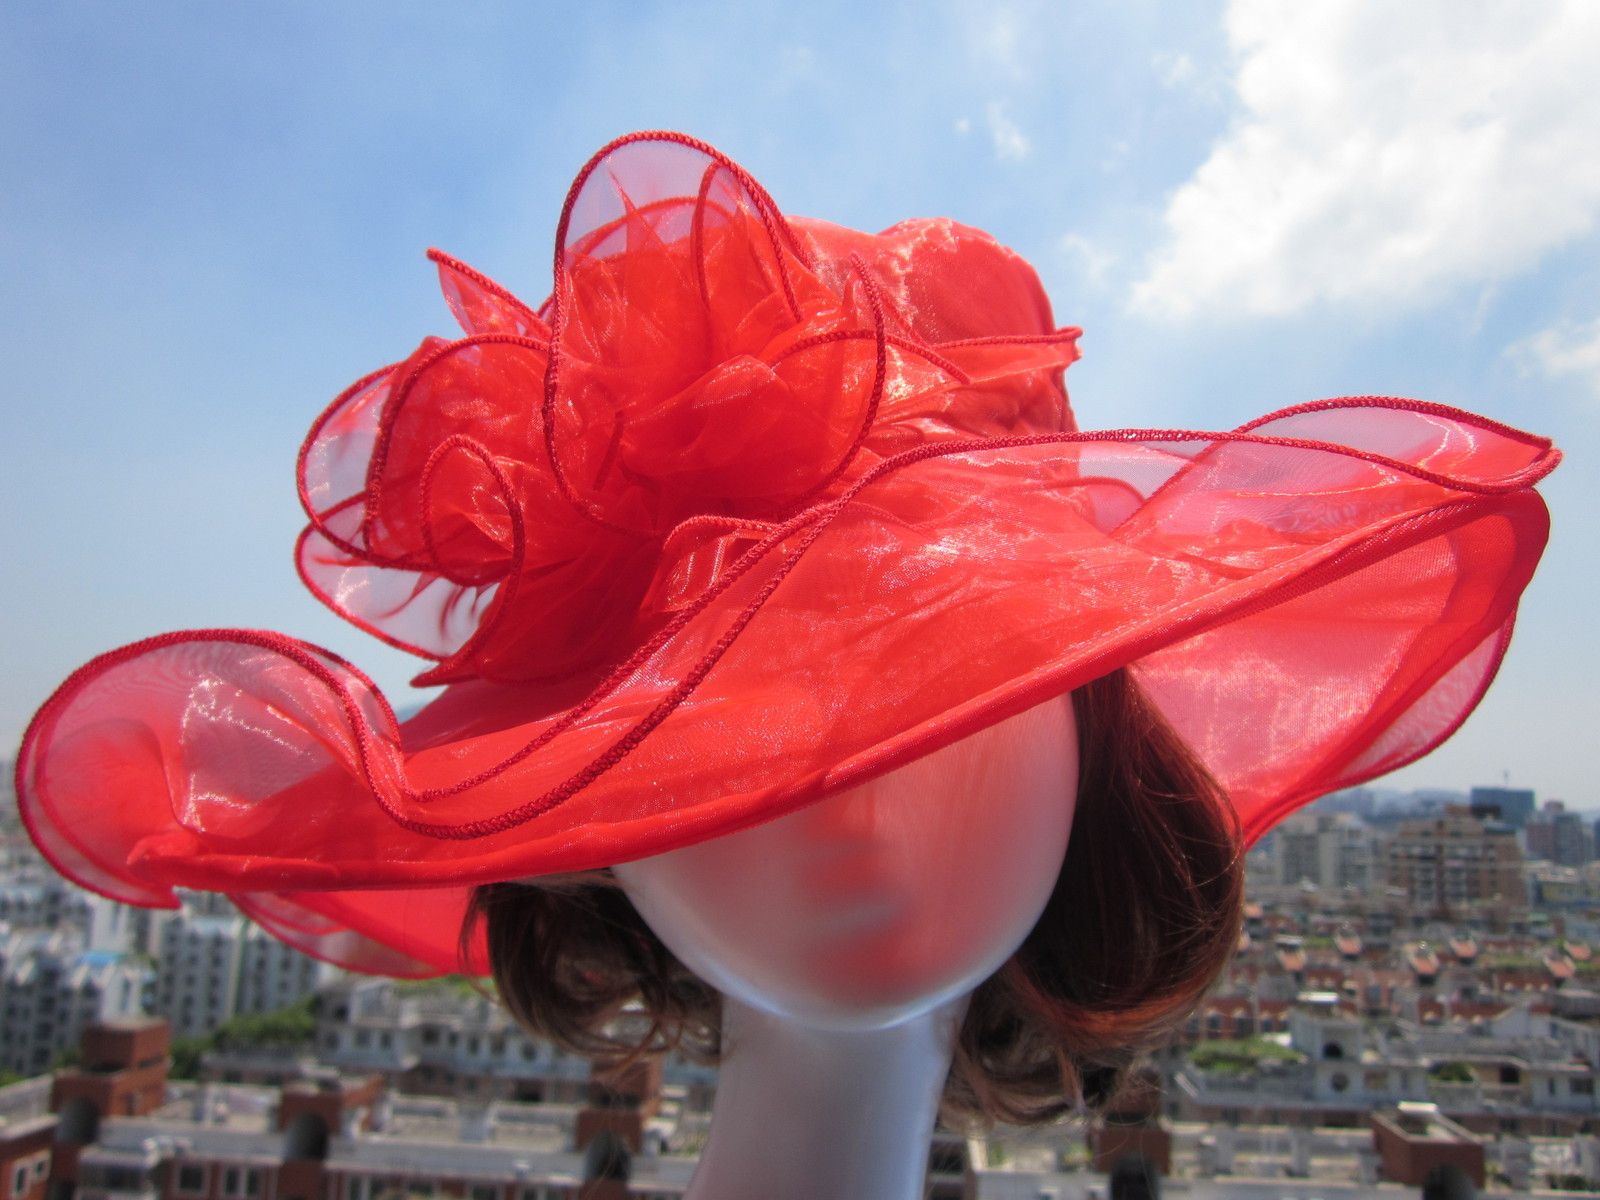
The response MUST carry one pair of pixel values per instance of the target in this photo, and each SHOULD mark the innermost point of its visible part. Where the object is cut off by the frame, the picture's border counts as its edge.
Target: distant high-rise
(1454, 859)
(1332, 850)
(1512, 805)
(215, 965)
(51, 986)
(1358, 802)
(1558, 836)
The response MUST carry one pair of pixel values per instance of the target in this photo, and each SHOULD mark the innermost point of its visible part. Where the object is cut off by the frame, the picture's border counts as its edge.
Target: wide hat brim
(1312, 600)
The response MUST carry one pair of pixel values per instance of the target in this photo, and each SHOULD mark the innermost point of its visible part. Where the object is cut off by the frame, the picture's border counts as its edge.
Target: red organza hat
(750, 510)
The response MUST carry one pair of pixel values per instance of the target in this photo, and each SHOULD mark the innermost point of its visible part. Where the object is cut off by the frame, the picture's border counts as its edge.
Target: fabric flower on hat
(528, 500)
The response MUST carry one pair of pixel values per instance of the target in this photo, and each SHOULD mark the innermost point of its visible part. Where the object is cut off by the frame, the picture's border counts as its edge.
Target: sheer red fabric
(749, 510)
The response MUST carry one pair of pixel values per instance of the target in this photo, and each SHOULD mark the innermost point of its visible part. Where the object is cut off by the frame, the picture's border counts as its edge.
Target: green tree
(1241, 1056)
(287, 1027)
(186, 1054)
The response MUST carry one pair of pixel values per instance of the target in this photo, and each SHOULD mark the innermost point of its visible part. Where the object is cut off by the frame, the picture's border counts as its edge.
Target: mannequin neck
(805, 1112)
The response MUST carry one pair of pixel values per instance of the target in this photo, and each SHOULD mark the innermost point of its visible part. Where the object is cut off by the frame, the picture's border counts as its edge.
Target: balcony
(1477, 1097)
(104, 1193)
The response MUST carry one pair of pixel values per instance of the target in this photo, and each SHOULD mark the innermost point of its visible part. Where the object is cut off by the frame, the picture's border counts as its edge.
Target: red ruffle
(699, 357)
(750, 510)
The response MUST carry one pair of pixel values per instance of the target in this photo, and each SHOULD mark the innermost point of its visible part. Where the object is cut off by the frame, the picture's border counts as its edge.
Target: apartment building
(1334, 851)
(52, 987)
(1455, 860)
(215, 965)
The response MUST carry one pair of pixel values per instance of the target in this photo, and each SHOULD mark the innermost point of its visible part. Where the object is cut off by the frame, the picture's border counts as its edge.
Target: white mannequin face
(876, 905)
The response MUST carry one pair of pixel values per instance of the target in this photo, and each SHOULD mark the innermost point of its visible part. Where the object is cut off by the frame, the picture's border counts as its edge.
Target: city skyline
(220, 215)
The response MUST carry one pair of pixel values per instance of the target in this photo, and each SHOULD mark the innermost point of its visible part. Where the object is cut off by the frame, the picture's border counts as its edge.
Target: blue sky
(213, 218)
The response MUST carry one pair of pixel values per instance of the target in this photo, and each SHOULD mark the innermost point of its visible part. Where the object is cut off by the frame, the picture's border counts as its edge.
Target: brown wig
(1144, 916)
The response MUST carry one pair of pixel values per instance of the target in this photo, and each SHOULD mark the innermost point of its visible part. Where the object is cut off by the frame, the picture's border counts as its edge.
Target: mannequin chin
(881, 903)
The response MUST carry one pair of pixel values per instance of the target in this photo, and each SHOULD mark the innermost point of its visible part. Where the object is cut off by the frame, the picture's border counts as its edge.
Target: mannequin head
(1140, 915)
(878, 903)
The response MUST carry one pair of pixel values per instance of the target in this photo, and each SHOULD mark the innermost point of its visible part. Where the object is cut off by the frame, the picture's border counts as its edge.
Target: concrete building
(52, 988)
(1455, 860)
(273, 975)
(1331, 850)
(1553, 887)
(215, 965)
(1358, 802)
(1420, 1146)
(119, 1131)
(1558, 836)
(1513, 806)
(27, 1133)
(43, 902)
(197, 972)
(434, 1042)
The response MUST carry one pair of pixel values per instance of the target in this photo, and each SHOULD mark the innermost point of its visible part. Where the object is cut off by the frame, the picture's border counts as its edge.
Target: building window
(19, 1181)
(192, 1179)
(1582, 1087)
(241, 1182)
(485, 1191)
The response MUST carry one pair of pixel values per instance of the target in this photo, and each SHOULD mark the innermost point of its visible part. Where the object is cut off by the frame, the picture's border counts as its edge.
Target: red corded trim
(483, 281)
(778, 231)
(308, 658)
(697, 240)
(402, 393)
(478, 450)
(322, 419)
(1455, 415)
(880, 374)
(812, 522)
(1068, 333)
(1354, 557)
(899, 342)
(1391, 403)
(1266, 817)
(809, 526)
(353, 618)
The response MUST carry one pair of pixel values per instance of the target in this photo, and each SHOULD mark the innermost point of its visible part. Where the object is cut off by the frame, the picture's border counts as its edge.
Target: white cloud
(1010, 143)
(796, 63)
(1175, 70)
(1000, 40)
(1092, 261)
(1566, 349)
(1003, 36)
(1384, 153)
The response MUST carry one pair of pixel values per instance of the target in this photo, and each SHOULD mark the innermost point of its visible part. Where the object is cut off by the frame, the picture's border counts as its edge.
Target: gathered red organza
(749, 510)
